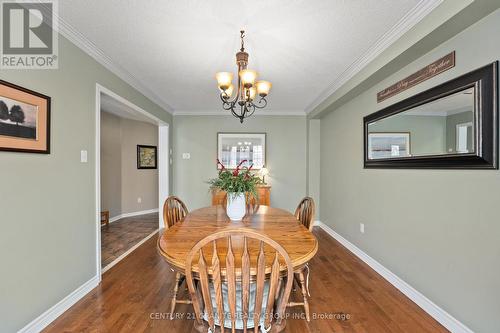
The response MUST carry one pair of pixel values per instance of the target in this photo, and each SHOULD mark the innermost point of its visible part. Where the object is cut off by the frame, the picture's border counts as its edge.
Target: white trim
(142, 212)
(443, 317)
(42, 321)
(87, 46)
(163, 169)
(227, 113)
(164, 162)
(98, 179)
(131, 105)
(129, 251)
(414, 16)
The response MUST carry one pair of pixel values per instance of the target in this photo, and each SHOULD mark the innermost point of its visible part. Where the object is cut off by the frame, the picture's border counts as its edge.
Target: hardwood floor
(120, 236)
(134, 296)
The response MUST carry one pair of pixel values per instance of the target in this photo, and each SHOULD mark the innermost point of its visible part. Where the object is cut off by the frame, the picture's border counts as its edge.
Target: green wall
(313, 162)
(286, 156)
(47, 202)
(436, 229)
(427, 133)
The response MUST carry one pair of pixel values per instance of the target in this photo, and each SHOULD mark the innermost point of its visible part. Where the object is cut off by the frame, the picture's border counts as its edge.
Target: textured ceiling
(175, 47)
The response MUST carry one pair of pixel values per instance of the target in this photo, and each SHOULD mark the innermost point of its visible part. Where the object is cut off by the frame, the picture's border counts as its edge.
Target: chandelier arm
(224, 100)
(250, 110)
(235, 114)
(228, 106)
(259, 105)
(237, 95)
(228, 100)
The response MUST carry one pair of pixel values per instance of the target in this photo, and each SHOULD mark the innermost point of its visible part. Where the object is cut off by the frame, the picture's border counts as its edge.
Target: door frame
(163, 162)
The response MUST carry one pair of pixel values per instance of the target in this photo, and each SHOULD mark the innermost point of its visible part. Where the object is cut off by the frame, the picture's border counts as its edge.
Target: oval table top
(176, 242)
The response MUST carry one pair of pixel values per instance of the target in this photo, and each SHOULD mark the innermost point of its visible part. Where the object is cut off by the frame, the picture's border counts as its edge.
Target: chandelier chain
(242, 35)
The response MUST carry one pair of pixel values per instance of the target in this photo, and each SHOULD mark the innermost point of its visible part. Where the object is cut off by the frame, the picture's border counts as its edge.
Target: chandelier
(244, 103)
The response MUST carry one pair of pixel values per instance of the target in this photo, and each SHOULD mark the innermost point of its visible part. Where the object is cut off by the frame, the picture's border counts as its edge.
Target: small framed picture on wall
(24, 120)
(146, 157)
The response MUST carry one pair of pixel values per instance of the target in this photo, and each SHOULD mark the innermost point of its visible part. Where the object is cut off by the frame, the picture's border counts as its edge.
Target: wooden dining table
(177, 241)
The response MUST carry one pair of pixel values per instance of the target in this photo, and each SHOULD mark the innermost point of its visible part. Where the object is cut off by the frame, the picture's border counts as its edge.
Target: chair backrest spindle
(217, 280)
(245, 283)
(233, 277)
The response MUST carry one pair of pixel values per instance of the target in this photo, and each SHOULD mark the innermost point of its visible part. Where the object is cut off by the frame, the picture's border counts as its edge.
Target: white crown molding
(443, 317)
(228, 113)
(82, 42)
(415, 15)
(42, 321)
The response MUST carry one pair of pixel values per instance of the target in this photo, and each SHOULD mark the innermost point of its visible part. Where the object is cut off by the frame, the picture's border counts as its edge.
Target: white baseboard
(55, 311)
(129, 251)
(443, 317)
(142, 212)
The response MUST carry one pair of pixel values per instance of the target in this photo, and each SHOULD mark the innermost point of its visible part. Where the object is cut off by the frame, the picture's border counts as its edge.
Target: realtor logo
(29, 34)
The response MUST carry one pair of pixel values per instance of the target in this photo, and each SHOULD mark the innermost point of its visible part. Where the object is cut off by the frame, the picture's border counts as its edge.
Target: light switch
(83, 156)
(186, 156)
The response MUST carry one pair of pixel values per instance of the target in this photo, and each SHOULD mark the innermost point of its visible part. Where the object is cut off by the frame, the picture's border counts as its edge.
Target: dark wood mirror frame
(485, 156)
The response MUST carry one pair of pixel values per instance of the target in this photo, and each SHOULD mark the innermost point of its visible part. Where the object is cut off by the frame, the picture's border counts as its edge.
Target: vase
(236, 206)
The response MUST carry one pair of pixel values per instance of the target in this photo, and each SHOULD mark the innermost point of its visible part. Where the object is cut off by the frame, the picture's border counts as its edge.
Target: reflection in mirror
(444, 126)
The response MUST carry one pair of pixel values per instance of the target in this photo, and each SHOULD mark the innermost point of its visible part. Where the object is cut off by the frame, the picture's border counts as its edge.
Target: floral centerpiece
(237, 184)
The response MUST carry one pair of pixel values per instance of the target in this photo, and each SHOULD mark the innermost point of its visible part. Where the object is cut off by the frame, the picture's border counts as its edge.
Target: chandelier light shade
(263, 88)
(224, 80)
(241, 99)
(248, 77)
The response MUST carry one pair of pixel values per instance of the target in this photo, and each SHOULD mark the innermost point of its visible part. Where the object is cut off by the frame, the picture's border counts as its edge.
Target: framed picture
(388, 145)
(232, 148)
(146, 157)
(24, 120)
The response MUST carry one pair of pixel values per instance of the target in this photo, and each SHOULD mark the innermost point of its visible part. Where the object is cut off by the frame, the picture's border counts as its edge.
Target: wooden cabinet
(264, 191)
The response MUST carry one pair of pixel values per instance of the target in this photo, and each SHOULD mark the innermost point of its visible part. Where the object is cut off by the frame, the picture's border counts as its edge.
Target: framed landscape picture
(24, 120)
(232, 148)
(388, 145)
(146, 157)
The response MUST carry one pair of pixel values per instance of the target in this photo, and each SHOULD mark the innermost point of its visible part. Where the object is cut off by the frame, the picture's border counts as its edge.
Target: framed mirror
(451, 126)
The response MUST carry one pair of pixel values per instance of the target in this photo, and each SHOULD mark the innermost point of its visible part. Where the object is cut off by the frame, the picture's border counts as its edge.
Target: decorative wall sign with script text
(437, 67)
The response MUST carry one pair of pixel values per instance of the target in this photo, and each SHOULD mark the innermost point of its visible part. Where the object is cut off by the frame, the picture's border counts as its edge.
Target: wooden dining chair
(174, 210)
(305, 215)
(305, 212)
(218, 269)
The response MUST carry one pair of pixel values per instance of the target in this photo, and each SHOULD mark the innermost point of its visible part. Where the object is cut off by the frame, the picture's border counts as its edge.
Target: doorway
(134, 209)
